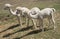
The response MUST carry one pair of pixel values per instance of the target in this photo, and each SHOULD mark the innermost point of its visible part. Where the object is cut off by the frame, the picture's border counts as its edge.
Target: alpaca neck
(34, 16)
(11, 11)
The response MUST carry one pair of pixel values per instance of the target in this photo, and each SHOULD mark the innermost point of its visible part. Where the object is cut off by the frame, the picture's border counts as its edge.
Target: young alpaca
(41, 14)
(47, 13)
(8, 7)
(34, 14)
(24, 13)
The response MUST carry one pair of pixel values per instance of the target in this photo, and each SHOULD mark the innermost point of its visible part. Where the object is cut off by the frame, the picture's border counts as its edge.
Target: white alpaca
(33, 13)
(24, 12)
(47, 13)
(8, 7)
(41, 14)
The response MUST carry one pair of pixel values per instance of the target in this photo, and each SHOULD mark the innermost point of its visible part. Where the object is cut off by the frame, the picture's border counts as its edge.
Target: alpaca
(41, 14)
(47, 13)
(15, 13)
(33, 13)
(24, 13)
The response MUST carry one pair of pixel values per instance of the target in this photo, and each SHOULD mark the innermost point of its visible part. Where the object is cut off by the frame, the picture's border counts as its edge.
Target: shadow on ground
(10, 28)
(33, 32)
(23, 29)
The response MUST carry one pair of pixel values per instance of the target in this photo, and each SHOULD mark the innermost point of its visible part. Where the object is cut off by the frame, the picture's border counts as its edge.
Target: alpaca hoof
(23, 23)
(34, 28)
(42, 30)
(55, 27)
(38, 26)
(18, 24)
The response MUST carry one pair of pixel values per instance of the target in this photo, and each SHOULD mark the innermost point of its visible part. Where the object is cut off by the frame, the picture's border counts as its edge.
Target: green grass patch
(57, 6)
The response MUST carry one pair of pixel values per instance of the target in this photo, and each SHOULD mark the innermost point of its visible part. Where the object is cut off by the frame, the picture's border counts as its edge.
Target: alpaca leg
(19, 20)
(34, 22)
(23, 20)
(27, 22)
(41, 24)
(53, 21)
(38, 22)
(49, 22)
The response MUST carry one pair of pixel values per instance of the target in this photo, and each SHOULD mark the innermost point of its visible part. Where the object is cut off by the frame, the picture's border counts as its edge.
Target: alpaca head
(33, 12)
(7, 6)
(19, 10)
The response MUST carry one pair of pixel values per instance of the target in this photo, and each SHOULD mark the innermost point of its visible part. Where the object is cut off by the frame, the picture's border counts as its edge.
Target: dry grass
(9, 29)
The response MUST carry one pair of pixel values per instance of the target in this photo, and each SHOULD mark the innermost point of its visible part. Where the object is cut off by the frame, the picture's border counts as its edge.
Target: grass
(57, 6)
(12, 20)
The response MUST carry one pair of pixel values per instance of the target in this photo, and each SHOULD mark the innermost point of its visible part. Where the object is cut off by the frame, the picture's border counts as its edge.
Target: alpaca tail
(54, 10)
